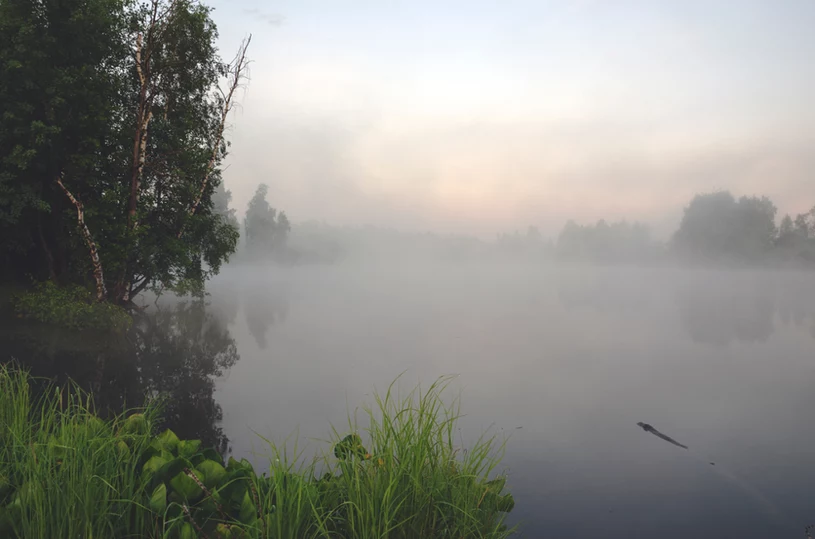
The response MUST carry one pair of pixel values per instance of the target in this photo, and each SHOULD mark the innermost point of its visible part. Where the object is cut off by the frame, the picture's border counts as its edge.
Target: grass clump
(406, 479)
(66, 473)
(63, 471)
(70, 306)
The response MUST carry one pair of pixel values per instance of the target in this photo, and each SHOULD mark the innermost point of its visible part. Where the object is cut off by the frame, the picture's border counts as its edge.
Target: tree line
(715, 228)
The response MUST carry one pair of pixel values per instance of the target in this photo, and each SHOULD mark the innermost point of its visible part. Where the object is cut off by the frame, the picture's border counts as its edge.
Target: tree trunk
(143, 116)
(98, 275)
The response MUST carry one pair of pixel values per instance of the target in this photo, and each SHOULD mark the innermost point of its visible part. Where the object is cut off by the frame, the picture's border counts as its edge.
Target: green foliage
(70, 306)
(63, 468)
(68, 91)
(63, 474)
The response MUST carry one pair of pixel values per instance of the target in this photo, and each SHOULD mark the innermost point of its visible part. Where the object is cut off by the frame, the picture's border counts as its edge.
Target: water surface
(565, 361)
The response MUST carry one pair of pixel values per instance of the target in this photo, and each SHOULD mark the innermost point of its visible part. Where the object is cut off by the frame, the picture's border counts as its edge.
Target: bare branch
(238, 70)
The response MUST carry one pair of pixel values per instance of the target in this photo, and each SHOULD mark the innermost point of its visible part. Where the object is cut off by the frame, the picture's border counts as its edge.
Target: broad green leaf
(158, 500)
(136, 424)
(213, 472)
(188, 448)
(168, 440)
(171, 468)
(213, 455)
(248, 511)
(187, 532)
(153, 465)
(506, 503)
(186, 487)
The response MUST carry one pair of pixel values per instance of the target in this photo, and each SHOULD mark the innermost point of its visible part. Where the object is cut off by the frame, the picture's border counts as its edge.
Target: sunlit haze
(478, 117)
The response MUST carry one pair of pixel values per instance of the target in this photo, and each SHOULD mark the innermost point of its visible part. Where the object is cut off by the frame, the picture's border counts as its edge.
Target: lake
(563, 360)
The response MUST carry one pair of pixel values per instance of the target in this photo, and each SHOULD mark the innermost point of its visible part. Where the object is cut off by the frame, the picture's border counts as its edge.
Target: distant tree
(221, 198)
(785, 229)
(717, 226)
(604, 243)
(796, 238)
(266, 230)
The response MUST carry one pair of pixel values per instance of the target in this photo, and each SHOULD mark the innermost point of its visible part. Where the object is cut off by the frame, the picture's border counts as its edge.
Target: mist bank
(716, 230)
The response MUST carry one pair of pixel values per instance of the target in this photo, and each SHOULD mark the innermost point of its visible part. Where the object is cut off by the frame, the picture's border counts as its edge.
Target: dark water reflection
(722, 361)
(174, 352)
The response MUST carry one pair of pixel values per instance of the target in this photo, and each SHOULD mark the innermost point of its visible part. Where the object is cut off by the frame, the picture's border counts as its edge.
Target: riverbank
(65, 472)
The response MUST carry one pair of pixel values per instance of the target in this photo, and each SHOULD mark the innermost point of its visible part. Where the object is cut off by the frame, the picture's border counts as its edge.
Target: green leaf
(188, 448)
(153, 465)
(158, 500)
(497, 485)
(506, 503)
(233, 489)
(213, 455)
(186, 487)
(213, 472)
(187, 531)
(350, 446)
(136, 424)
(247, 513)
(168, 440)
(123, 449)
(171, 468)
(223, 531)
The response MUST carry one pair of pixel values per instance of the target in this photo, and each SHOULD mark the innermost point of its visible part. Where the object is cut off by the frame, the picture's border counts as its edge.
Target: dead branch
(238, 73)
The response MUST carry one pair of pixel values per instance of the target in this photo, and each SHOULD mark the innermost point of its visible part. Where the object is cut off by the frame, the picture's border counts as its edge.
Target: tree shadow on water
(263, 308)
(173, 354)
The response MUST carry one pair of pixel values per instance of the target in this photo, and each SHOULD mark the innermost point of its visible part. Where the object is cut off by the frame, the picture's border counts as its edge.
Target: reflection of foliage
(742, 308)
(178, 352)
(173, 353)
(718, 319)
(264, 308)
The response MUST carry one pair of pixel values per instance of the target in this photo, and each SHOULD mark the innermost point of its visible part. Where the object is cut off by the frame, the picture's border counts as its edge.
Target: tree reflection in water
(263, 308)
(173, 352)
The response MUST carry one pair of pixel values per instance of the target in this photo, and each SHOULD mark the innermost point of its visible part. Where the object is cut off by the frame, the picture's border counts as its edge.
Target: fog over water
(565, 360)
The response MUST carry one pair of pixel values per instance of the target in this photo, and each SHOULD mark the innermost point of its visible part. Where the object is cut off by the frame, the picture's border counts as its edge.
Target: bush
(70, 306)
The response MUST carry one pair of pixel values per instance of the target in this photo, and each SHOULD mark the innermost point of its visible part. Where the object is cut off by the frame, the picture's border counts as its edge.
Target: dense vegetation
(64, 472)
(111, 138)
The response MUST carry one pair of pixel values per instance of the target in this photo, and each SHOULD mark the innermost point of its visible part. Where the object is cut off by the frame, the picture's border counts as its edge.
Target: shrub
(70, 306)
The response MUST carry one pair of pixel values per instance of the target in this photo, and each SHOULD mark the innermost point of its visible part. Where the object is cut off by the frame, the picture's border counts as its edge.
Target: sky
(478, 117)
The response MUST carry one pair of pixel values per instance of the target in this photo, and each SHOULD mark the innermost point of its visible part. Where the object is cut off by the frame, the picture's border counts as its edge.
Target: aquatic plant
(64, 472)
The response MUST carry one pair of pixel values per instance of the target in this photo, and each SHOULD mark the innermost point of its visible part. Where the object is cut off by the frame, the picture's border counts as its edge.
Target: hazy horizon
(484, 117)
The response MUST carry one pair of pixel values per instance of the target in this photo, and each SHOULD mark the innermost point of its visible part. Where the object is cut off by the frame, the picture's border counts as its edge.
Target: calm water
(565, 361)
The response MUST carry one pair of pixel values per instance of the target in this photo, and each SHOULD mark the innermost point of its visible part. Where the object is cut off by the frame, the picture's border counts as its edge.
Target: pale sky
(480, 116)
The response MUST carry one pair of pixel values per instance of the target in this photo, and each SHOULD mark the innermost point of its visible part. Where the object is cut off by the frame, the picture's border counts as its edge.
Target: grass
(66, 473)
(63, 471)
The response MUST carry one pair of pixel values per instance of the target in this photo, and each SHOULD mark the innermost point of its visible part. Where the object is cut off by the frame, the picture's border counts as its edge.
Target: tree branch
(238, 70)
(98, 275)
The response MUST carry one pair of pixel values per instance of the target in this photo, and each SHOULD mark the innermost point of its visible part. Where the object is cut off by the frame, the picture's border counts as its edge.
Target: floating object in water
(648, 428)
